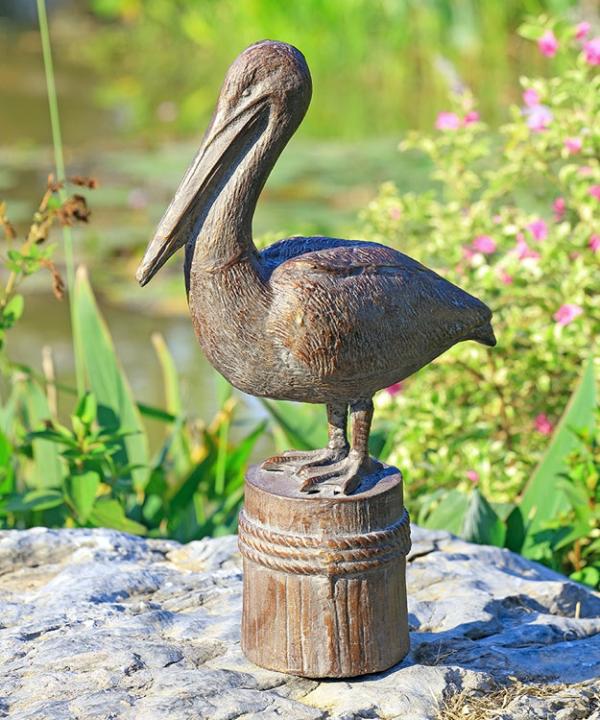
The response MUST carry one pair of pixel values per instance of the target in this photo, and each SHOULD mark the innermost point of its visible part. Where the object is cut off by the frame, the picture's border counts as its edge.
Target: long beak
(197, 191)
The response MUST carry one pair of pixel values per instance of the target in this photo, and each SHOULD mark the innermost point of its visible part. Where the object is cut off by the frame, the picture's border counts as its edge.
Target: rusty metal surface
(310, 319)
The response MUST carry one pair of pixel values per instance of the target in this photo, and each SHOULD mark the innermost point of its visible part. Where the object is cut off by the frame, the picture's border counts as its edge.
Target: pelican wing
(362, 312)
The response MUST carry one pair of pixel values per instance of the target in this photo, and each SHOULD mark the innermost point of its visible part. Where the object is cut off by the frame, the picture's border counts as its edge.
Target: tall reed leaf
(117, 410)
(543, 497)
(305, 430)
(179, 449)
(48, 470)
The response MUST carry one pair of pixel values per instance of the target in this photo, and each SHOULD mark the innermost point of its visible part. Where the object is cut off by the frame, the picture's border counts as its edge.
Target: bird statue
(308, 319)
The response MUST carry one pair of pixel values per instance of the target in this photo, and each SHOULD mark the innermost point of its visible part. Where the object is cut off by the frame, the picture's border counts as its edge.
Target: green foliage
(96, 471)
(191, 489)
(515, 221)
(568, 540)
(578, 547)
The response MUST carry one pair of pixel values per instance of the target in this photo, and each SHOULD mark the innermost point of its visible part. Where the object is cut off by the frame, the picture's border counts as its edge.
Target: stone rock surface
(99, 625)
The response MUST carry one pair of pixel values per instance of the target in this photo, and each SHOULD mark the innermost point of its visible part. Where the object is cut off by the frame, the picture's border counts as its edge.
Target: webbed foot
(343, 476)
(296, 459)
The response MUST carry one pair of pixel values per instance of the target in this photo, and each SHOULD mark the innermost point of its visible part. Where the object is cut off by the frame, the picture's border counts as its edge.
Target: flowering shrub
(515, 221)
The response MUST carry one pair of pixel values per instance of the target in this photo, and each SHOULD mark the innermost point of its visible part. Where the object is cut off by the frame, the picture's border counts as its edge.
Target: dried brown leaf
(74, 209)
(9, 229)
(83, 181)
(58, 286)
(39, 230)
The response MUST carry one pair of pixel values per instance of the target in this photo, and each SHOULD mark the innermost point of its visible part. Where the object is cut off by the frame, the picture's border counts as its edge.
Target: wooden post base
(324, 576)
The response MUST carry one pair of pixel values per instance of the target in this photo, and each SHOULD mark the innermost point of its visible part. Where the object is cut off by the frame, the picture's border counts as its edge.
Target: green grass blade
(180, 448)
(238, 458)
(301, 425)
(48, 470)
(117, 409)
(60, 176)
(169, 374)
(155, 413)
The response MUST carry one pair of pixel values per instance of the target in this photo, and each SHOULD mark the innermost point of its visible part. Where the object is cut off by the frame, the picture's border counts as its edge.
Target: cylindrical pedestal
(324, 576)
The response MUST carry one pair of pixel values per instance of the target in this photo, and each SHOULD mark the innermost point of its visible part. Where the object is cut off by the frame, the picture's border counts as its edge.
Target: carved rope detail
(308, 555)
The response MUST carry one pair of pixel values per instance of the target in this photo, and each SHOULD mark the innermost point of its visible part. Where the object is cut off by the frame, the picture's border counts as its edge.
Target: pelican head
(266, 91)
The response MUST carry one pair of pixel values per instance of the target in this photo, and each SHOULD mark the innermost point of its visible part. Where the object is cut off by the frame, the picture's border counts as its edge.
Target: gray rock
(99, 625)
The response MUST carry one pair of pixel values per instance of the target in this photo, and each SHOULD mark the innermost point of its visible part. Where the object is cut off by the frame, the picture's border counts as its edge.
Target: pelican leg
(337, 447)
(346, 474)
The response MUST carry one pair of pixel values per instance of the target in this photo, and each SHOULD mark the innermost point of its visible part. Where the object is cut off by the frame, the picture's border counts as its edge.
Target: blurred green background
(137, 80)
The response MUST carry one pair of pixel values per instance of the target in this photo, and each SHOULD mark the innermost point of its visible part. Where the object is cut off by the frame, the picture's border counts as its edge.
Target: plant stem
(16, 276)
(60, 176)
(504, 420)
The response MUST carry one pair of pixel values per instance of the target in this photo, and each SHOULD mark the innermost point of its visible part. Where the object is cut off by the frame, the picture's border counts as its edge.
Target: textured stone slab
(96, 624)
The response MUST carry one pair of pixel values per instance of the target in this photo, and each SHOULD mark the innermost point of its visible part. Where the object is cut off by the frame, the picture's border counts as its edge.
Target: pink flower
(531, 98)
(594, 191)
(585, 170)
(471, 117)
(594, 242)
(473, 476)
(484, 244)
(543, 424)
(559, 206)
(581, 30)
(395, 213)
(538, 229)
(567, 313)
(539, 118)
(548, 44)
(573, 145)
(447, 121)
(591, 50)
(395, 389)
(505, 278)
(523, 251)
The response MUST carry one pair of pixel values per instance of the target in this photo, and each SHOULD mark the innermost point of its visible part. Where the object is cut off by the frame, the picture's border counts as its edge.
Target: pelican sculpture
(309, 319)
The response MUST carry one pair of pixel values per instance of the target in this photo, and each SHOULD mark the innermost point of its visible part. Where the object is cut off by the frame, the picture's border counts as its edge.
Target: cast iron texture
(310, 319)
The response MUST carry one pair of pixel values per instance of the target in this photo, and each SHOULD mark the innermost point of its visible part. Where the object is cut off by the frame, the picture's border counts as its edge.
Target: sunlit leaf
(86, 409)
(481, 524)
(449, 513)
(82, 489)
(108, 512)
(543, 497)
(34, 500)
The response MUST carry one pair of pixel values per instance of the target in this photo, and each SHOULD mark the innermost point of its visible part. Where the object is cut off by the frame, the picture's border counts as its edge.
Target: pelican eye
(247, 92)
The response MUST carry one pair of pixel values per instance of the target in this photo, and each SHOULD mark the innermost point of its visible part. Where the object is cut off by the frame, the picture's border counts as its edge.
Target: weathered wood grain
(324, 576)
